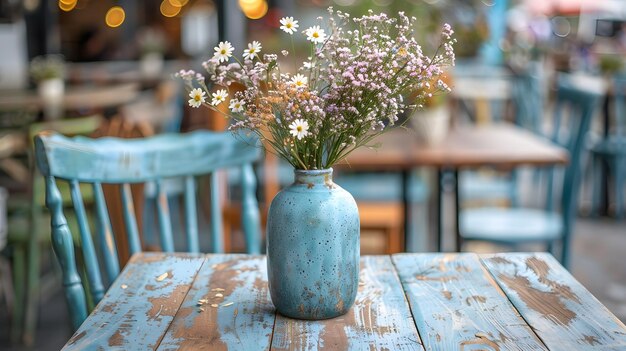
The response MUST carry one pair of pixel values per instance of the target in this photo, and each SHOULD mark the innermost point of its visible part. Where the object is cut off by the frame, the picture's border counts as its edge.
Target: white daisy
(252, 51)
(223, 51)
(219, 97)
(288, 25)
(308, 64)
(315, 34)
(299, 128)
(299, 80)
(197, 97)
(236, 105)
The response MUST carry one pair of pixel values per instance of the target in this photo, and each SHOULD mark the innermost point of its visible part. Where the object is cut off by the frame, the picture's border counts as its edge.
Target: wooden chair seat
(510, 225)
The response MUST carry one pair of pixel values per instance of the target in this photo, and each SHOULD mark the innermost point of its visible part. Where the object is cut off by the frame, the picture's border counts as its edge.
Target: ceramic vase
(51, 92)
(432, 124)
(313, 247)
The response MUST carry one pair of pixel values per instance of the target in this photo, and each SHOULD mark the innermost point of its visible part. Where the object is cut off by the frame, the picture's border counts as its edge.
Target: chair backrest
(126, 161)
(574, 108)
(619, 89)
(84, 126)
(527, 96)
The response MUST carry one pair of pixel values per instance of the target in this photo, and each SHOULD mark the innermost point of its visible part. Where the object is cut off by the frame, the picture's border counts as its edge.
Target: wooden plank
(457, 306)
(140, 305)
(228, 307)
(380, 318)
(561, 311)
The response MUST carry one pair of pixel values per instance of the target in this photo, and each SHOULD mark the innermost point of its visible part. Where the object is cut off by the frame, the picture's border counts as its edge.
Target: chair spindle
(89, 251)
(217, 240)
(250, 216)
(105, 234)
(165, 224)
(128, 208)
(191, 219)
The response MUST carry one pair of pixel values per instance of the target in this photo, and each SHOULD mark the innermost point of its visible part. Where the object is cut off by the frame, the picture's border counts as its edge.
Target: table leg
(406, 205)
(438, 196)
(457, 208)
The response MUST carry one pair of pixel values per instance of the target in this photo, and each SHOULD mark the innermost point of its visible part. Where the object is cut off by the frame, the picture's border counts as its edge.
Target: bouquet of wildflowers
(360, 75)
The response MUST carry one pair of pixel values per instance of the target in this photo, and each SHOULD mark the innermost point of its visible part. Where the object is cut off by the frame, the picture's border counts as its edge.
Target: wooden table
(405, 302)
(501, 145)
(75, 97)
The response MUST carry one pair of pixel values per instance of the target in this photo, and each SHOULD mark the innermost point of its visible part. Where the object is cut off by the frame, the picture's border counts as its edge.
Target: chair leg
(596, 181)
(6, 287)
(565, 247)
(550, 247)
(32, 297)
(619, 173)
(19, 263)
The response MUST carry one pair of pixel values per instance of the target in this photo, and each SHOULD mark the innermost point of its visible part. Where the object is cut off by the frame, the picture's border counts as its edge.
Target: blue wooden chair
(612, 149)
(527, 100)
(520, 225)
(122, 161)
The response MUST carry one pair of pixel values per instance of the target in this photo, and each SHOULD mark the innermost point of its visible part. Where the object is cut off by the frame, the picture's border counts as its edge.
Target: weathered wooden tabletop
(514, 301)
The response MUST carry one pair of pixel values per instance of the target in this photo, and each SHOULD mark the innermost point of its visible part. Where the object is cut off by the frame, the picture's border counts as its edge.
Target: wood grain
(562, 312)
(227, 308)
(140, 305)
(456, 306)
(380, 318)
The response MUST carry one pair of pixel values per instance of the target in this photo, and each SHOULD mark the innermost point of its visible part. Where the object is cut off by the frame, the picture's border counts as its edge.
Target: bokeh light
(67, 5)
(169, 10)
(178, 3)
(115, 16)
(254, 9)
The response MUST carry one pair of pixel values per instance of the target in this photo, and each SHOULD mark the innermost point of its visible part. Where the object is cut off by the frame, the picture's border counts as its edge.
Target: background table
(405, 302)
(74, 98)
(501, 145)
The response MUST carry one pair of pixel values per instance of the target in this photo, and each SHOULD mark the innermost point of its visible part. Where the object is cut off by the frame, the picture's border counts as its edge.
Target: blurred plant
(471, 37)
(152, 41)
(610, 64)
(47, 67)
(350, 89)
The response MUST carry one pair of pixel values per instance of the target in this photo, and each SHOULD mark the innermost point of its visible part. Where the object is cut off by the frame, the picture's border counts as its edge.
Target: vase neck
(316, 176)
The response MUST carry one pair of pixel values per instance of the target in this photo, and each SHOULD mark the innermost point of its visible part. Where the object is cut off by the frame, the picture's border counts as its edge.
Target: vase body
(51, 92)
(313, 247)
(432, 124)
(151, 64)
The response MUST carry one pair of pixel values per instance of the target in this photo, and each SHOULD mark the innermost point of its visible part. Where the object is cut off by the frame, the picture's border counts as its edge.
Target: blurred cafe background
(105, 68)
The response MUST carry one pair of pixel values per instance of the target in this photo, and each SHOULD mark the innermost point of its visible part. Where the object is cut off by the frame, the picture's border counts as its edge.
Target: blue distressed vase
(313, 247)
